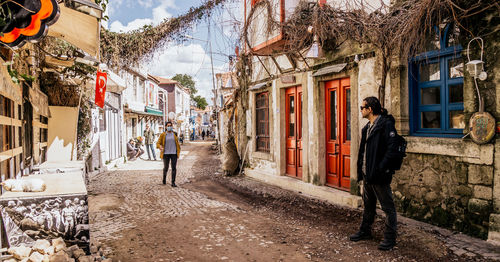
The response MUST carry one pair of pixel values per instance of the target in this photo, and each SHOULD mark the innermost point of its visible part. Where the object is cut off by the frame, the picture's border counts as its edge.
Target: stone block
(483, 192)
(431, 197)
(431, 179)
(494, 222)
(479, 206)
(50, 250)
(463, 191)
(78, 253)
(20, 252)
(85, 259)
(58, 244)
(41, 245)
(60, 256)
(461, 173)
(480, 175)
(36, 257)
(71, 250)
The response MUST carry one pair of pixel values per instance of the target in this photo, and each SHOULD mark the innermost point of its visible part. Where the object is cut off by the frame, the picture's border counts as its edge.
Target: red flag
(100, 88)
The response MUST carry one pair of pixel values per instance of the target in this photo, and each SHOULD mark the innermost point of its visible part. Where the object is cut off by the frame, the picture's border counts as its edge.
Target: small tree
(200, 101)
(186, 81)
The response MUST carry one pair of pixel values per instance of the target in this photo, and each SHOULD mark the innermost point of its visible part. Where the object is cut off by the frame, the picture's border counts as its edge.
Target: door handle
(336, 148)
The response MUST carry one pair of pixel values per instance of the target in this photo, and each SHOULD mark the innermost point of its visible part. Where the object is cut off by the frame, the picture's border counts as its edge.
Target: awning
(257, 87)
(115, 83)
(330, 69)
(79, 29)
(154, 111)
(142, 113)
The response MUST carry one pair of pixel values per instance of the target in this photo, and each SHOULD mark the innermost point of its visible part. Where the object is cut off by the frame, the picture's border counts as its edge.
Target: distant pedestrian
(170, 149)
(376, 148)
(149, 136)
(203, 134)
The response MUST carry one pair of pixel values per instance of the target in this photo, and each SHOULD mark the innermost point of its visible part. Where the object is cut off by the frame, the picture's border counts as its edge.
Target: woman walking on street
(168, 143)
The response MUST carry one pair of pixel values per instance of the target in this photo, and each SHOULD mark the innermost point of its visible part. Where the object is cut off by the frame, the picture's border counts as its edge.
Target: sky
(191, 57)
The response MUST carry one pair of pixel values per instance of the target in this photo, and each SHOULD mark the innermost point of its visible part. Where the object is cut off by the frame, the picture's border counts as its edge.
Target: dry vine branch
(400, 29)
(125, 49)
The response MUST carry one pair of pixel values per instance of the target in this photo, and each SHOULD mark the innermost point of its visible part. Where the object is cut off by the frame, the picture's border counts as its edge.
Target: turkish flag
(100, 88)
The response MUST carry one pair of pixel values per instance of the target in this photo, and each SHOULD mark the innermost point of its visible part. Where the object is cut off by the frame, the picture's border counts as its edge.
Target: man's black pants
(384, 195)
(166, 160)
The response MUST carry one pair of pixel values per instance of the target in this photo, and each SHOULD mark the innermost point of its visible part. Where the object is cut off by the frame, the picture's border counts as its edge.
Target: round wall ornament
(482, 127)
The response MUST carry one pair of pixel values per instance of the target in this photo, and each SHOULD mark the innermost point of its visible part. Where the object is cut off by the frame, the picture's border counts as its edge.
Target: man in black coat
(377, 149)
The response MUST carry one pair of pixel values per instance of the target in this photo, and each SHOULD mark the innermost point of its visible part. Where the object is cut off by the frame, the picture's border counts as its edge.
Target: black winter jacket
(380, 149)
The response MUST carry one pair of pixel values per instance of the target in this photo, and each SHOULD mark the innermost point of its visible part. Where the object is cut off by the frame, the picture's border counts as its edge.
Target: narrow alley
(210, 217)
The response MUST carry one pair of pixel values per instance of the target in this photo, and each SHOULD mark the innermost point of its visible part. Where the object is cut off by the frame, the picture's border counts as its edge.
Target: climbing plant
(125, 49)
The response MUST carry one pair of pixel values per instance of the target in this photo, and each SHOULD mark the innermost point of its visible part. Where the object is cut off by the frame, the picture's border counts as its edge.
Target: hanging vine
(399, 29)
(125, 49)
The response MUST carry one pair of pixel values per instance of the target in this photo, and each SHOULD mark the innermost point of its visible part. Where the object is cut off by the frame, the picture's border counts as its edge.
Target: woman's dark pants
(166, 160)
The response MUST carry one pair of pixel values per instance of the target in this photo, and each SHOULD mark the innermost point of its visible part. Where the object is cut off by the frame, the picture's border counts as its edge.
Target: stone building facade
(300, 119)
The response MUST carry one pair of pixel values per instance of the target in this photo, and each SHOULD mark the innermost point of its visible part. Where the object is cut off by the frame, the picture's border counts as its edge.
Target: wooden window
(6, 107)
(262, 113)
(20, 137)
(43, 135)
(44, 120)
(102, 120)
(6, 137)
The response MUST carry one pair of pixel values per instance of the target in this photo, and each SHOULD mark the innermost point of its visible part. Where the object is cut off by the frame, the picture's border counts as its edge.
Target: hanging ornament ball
(483, 75)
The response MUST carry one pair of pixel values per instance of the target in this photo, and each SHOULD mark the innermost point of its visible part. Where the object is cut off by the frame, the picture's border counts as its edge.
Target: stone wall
(446, 192)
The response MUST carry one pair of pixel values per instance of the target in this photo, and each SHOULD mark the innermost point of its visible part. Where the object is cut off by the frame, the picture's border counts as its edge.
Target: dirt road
(210, 217)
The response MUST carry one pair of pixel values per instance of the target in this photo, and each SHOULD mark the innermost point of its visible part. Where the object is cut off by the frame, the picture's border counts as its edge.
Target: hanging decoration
(100, 88)
(26, 20)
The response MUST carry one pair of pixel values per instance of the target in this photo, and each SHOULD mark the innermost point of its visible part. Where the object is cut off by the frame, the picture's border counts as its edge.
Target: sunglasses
(361, 107)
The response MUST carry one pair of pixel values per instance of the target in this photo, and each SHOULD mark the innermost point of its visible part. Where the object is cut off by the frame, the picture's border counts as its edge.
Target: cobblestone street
(210, 217)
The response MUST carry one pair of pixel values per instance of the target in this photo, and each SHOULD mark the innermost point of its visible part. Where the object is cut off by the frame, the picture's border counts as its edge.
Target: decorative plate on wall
(482, 127)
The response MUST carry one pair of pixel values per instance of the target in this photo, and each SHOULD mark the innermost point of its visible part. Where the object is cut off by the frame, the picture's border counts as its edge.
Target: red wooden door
(293, 128)
(338, 133)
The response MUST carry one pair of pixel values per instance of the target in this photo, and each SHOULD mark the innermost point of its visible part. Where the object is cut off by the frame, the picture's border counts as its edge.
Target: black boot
(387, 244)
(360, 235)
(173, 177)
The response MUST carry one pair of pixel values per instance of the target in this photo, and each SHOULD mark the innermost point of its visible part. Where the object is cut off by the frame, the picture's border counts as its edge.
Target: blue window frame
(436, 87)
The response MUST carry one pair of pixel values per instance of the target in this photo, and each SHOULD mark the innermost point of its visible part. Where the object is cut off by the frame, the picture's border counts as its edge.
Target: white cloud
(159, 14)
(145, 3)
(117, 26)
(113, 6)
(185, 59)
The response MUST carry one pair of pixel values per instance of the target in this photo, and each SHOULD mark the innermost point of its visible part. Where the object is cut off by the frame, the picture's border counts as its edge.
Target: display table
(60, 211)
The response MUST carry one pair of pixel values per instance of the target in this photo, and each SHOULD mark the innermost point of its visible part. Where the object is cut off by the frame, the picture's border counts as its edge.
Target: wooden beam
(52, 61)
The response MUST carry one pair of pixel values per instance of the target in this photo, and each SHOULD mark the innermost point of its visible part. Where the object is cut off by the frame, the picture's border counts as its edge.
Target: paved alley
(210, 217)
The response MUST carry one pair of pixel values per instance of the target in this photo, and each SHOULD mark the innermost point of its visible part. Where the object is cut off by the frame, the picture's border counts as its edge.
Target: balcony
(262, 38)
